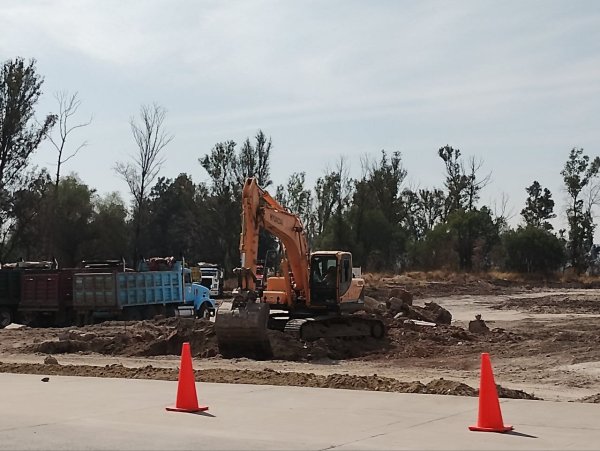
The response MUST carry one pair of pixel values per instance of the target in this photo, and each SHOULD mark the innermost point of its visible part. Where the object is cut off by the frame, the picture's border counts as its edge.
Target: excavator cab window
(324, 280)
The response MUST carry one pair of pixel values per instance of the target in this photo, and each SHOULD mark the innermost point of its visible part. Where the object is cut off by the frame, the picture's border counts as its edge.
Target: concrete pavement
(95, 413)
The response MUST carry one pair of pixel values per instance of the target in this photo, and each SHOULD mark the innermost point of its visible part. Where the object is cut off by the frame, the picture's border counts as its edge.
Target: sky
(515, 84)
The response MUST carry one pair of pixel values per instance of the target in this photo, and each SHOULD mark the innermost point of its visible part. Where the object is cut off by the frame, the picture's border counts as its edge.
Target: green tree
(378, 212)
(533, 249)
(424, 209)
(333, 198)
(577, 174)
(177, 220)
(228, 170)
(539, 207)
(299, 200)
(20, 135)
(474, 233)
(75, 205)
(463, 185)
(32, 212)
(254, 161)
(109, 230)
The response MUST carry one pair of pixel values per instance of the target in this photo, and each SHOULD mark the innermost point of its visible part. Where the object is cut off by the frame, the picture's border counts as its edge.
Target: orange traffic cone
(187, 400)
(490, 416)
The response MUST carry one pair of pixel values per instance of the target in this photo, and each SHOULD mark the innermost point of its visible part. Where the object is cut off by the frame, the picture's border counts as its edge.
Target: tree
(539, 207)
(20, 89)
(424, 209)
(73, 226)
(151, 139)
(333, 198)
(299, 200)
(228, 171)
(109, 231)
(68, 104)
(177, 219)
(32, 213)
(378, 211)
(254, 161)
(533, 249)
(577, 174)
(475, 233)
(463, 187)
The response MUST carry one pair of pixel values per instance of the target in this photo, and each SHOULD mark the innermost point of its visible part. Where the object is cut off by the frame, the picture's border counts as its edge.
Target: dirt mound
(513, 394)
(595, 399)
(553, 304)
(165, 337)
(262, 377)
(446, 387)
(286, 347)
(144, 338)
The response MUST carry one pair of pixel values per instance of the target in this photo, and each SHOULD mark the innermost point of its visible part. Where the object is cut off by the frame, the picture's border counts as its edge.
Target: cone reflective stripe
(187, 399)
(489, 418)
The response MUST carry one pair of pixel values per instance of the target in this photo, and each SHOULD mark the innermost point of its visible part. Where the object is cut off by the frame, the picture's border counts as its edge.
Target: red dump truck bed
(47, 290)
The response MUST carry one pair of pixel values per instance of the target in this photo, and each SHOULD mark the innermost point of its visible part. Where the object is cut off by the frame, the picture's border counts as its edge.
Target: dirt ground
(542, 340)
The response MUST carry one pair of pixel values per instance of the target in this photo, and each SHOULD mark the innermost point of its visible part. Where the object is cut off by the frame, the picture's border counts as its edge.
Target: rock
(440, 314)
(45, 379)
(50, 360)
(405, 295)
(416, 322)
(478, 326)
(396, 305)
(372, 305)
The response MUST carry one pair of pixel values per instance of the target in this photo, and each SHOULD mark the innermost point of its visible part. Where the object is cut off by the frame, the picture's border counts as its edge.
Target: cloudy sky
(514, 83)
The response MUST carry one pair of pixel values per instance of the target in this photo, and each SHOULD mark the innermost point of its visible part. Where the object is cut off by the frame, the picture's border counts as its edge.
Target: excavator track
(241, 330)
(310, 329)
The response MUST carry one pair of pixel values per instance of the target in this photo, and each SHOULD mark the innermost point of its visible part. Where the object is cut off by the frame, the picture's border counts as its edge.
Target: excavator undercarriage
(242, 329)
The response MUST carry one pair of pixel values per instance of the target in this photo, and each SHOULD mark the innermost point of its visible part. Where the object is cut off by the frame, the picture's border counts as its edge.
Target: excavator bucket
(242, 331)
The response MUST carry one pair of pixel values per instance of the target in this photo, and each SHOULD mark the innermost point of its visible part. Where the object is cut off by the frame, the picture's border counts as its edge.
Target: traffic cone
(187, 400)
(490, 416)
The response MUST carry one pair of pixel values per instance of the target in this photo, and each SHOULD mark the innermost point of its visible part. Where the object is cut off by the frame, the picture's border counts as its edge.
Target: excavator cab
(324, 280)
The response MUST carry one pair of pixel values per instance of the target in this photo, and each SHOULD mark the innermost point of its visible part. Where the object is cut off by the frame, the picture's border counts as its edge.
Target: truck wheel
(204, 312)
(5, 318)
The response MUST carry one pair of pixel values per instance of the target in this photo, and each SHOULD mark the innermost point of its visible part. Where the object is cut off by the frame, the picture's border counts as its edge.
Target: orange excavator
(313, 297)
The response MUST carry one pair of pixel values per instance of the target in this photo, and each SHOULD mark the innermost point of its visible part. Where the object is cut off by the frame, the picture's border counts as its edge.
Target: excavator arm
(261, 211)
(241, 324)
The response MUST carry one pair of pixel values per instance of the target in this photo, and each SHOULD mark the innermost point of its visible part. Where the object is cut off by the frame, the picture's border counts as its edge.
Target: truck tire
(5, 317)
(204, 312)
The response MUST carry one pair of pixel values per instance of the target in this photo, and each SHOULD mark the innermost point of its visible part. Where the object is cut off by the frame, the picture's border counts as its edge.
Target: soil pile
(165, 337)
(262, 377)
(130, 338)
(553, 304)
(595, 399)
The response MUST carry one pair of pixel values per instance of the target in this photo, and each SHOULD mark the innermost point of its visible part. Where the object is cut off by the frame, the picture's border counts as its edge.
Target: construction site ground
(543, 340)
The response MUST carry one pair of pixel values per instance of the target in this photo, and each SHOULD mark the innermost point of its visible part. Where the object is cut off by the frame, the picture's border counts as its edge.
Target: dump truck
(159, 287)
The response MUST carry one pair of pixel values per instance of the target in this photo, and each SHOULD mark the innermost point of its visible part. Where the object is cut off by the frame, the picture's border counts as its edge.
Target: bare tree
(150, 138)
(68, 104)
(475, 185)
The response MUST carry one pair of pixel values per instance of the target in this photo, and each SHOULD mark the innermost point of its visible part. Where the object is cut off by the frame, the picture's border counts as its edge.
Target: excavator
(314, 296)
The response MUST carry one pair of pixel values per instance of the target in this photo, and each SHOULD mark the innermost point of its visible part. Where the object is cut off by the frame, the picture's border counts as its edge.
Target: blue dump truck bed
(131, 293)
